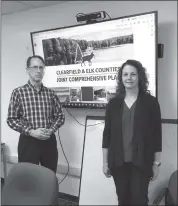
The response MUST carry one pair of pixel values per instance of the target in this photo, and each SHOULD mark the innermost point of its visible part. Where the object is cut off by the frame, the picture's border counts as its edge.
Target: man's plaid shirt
(32, 109)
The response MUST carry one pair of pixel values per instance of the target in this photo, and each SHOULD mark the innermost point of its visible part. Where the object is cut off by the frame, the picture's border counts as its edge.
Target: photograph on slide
(63, 93)
(91, 47)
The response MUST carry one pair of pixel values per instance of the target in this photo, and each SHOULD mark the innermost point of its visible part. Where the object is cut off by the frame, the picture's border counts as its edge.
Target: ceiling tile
(41, 3)
(8, 7)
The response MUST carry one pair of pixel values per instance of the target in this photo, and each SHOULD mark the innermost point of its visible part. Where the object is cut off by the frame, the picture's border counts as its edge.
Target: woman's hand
(106, 170)
(155, 169)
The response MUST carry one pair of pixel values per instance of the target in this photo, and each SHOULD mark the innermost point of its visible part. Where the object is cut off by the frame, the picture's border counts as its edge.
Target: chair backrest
(171, 195)
(30, 184)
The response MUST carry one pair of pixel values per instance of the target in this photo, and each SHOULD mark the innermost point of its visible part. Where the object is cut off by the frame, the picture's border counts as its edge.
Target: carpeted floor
(65, 202)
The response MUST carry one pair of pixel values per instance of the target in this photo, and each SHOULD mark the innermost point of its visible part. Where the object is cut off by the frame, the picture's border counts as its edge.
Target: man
(36, 113)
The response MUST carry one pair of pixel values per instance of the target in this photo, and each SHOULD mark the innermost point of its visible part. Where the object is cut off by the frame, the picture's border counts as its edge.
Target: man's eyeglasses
(41, 68)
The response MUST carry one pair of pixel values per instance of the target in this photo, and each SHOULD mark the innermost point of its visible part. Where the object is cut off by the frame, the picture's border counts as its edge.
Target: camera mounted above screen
(91, 17)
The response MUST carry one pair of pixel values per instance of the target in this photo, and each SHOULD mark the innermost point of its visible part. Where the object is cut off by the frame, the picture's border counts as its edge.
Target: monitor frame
(103, 105)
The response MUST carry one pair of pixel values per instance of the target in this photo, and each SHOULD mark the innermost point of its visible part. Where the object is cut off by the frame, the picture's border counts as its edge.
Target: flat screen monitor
(82, 60)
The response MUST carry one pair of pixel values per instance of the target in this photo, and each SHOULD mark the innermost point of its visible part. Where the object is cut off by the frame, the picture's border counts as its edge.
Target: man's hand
(106, 170)
(155, 169)
(40, 133)
(48, 131)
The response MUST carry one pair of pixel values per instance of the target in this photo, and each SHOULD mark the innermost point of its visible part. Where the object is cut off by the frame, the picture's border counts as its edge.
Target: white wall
(16, 47)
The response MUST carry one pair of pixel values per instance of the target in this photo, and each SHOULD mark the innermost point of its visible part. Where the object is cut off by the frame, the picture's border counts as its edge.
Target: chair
(4, 159)
(171, 193)
(30, 184)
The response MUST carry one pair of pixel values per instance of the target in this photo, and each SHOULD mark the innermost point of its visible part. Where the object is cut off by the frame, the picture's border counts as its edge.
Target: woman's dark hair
(33, 57)
(142, 77)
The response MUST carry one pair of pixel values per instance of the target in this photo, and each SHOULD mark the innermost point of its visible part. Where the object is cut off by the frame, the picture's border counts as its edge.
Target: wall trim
(75, 170)
(169, 121)
(61, 168)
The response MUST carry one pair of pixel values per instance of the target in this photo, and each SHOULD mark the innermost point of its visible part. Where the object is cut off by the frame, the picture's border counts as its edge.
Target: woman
(132, 137)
